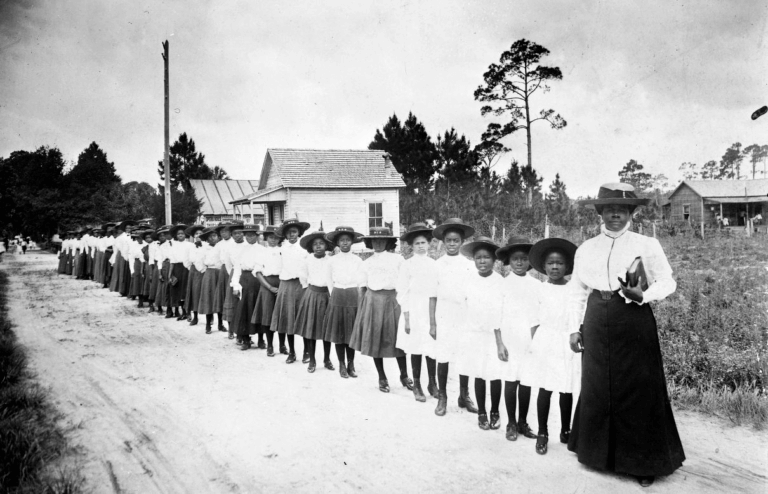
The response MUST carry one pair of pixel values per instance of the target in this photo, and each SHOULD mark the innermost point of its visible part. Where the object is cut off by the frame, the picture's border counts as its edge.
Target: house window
(686, 212)
(375, 216)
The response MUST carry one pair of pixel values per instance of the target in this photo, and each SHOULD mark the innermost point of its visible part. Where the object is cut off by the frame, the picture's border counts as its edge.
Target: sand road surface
(159, 406)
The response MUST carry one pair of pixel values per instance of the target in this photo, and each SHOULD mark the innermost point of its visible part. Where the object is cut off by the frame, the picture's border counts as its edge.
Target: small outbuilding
(734, 202)
(216, 196)
(357, 188)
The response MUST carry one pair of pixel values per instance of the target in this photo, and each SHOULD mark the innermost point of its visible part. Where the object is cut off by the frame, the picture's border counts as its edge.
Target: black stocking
(218, 315)
(524, 393)
(416, 367)
(309, 347)
(291, 346)
(379, 363)
(340, 353)
(542, 409)
(280, 339)
(442, 377)
(566, 404)
(402, 363)
(350, 355)
(463, 381)
(431, 366)
(326, 351)
(510, 400)
(260, 332)
(480, 394)
(208, 319)
(495, 395)
(270, 336)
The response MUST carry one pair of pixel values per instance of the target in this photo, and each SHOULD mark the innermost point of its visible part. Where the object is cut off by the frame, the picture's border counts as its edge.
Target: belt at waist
(344, 286)
(383, 291)
(319, 289)
(605, 294)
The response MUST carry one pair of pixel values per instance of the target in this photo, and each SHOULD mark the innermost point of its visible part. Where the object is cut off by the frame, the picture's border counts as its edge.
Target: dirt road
(162, 407)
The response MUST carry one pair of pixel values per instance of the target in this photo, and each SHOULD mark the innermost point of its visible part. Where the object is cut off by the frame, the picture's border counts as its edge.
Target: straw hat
(307, 240)
(251, 228)
(303, 226)
(356, 237)
(191, 230)
(543, 247)
(514, 242)
(229, 225)
(615, 193)
(415, 230)
(380, 232)
(175, 229)
(469, 248)
(207, 231)
(457, 223)
(271, 230)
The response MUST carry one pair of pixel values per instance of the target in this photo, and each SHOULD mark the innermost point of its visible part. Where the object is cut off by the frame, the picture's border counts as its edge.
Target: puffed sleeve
(302, 269)
(659, 272)
(578, 293)
(403, 286)
(362, 275)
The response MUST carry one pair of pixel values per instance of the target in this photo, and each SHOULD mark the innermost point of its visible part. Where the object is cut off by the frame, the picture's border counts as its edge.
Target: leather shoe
(541, 444)
(312, 367)
(151, 308)
(283, 350)
(351, 370)
(270, 351)
(406, 382)
(482, 421)
(645, 481)
(329, 365)
(291, 358)
(465, 401)
(565, 436)
(495, 421)
(525, 430)
(222, 328)
(442, 404)
(305, 359)
(432, 388)
(246, 345)
(262, 346)
(343, 371)
(169, 315)
(511, 432)
(207, 329)
(418, 393)
(193, 322)
(383, 386)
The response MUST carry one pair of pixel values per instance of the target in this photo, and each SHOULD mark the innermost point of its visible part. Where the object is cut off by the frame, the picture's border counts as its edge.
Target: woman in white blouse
(268, 274)
(245, 285)
(375, 330)
(342, 307)
(209, 264)
(623, 420)
(416, 285)
(195, 280)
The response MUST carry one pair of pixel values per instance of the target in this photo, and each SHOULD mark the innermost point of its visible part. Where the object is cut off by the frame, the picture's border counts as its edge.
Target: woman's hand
(407, 318)
(632, 292)
(236, 293)
(533, 330)
(433, 330)
(273, 290)
(576, 344)
(502, 351)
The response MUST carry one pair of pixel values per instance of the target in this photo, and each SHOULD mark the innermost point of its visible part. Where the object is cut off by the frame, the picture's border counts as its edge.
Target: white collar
(614, 235)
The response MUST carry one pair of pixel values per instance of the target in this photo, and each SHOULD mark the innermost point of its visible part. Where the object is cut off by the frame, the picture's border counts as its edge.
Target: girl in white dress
(416, 285)
(484, 352)
(549, 362)
(520, 307)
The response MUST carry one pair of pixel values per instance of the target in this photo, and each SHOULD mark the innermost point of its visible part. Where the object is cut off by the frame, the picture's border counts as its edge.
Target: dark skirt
(221, 289)
(194, 283)
(68, 263)
(88, 265)
(137, 280)
(162, 295)
(208, 286)
(106, 267)
(97, 265)
(230, 302)
(341, 314)
(375, 331)
(125, 278)
(149, 275)
(155, 282)
(178, 290)
(241, 322)
(286, 306)
(82, 264)
(62, 263)
(312, 308)
(117, 269)
(265, 303)
(623, 420)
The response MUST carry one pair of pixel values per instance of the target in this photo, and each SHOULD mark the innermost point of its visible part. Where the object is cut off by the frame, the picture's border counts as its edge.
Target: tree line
(730, 164)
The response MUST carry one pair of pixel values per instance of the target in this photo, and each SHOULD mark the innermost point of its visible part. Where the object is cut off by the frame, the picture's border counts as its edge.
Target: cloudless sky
(661, 82)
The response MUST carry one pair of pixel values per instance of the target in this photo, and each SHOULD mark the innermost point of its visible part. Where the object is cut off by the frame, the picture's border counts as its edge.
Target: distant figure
(725, 222)
(24, 244)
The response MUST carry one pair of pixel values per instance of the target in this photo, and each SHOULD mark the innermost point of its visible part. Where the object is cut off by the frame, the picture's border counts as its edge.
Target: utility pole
(166, 149)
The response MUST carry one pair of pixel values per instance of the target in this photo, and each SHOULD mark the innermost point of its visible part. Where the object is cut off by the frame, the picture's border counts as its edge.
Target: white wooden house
(336, 187)
(216, 196)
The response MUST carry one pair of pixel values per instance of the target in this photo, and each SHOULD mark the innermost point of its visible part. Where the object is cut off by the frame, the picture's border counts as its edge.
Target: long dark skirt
(82, 264)
(149, 277)
(206, 303)
(241, 322)
(286, 306)
(178, 290)
(340, 318)
(161, 296)
(136, 279)
(155, 282)
(88, 265)
(117, 270)
(97, 265)
(230, 302)
(265, 303)
(375, 330)
(78, 268)
(125, 278)
(623, 420)
(62, 263)
(221, 289)
(106, 267)
(195, 282)
(312, 309)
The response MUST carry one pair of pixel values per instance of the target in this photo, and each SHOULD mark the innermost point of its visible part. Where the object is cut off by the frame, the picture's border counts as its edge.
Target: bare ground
(158, 406)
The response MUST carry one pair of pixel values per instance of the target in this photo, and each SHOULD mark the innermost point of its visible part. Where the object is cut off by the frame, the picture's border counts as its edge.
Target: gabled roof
(217, 194)
(319, 168)
(727, 188)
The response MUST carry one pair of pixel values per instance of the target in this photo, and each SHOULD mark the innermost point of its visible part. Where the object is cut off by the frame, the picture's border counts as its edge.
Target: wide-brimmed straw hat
(307, 240)
(207, 231)
(348, 230)
(149, 231)
(303, 226)
(175, 229)
(192, 229)
(514, 242)
(469, 248)
(615, 193)
(107, 226)
(229, 225)
(251, 228)
(271, 230)
(541, 248)
(125, 223)
(415, 230)
(456, 223)
(380, 232)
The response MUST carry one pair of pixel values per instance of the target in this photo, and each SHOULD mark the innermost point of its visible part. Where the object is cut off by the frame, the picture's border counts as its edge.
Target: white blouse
(246, 258)
(222, 249)
(272, 262)
(294, 262)
(180, 251)
(209, 258)
(485, 302)
(380, 271)
(319, 271)
(417, 280)
(602, 260)
(452, 272)
(521, 302)
(345, 269)
(234, 251)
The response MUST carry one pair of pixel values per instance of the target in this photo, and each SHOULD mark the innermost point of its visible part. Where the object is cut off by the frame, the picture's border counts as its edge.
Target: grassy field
(31, 442)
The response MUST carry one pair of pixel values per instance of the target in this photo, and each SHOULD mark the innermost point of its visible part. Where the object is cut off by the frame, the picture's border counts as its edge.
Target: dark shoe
(168, 315)
(645, 481)
(305, 358)
(151, 308)
(383, 386)
(329, 365)
(351, 370)
(207, 329)
(565, 436)
(418, 393)
(262, 346)
(291, 358)
(312, 367)
(231, 336)
(270, 351)
(283, 350)
(482, 421)
(541, 444)
(432, 388)
(222, 328)
(442, 404)
(141, 304)
(343, 371)
(511, 432)
(525, 430)
(239, 341)
(465, 401)
(495, 421)
(246, 345)
(193, 322)
(181, 317)
(406, 382)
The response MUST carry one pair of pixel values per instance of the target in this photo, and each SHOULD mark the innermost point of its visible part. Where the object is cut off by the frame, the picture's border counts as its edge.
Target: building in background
(360, 189)
(217, 195)
(735, 202)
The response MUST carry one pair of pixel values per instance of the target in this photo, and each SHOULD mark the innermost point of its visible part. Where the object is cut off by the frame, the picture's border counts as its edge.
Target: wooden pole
(702, 218)
(721, 213)
(654, 229)
(166, 150)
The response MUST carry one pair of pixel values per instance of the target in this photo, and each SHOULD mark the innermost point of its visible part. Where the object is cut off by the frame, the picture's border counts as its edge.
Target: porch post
(721, 213)
(702, 218)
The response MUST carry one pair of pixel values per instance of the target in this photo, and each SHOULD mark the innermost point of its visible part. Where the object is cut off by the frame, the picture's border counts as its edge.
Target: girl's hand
(273, 290)
(236, 293)
(407, 327)
(576, 344)
(433, 330)
(503, 353)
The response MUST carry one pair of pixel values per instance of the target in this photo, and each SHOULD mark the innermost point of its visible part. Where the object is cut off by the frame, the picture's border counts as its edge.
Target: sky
(661, 82)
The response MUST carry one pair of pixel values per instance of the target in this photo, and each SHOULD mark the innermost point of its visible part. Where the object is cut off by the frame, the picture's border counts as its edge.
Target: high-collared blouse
(233, 251)
(602, 260)
(521, 302)
(65, 246)
(485, 302)
(195, 255)
(164, 251)
(109, 241)
(319, 271)
(222, 248)
(294, 262)
(154, 252)
(180, 251)
(208, 259)
(417, 279)
(345, 270)
(134, 251)
(272, 264)
(245, 258)
(452, 272)
(380, 271)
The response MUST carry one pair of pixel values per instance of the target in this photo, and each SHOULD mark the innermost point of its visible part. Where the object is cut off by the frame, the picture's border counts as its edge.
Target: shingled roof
(319, 168)
(217, 194)
(720, 189)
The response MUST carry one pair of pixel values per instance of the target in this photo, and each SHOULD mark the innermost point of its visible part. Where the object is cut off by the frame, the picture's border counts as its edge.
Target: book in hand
(635, 273)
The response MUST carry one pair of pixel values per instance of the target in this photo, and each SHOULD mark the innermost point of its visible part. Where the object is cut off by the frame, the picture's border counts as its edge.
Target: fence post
(654, 230)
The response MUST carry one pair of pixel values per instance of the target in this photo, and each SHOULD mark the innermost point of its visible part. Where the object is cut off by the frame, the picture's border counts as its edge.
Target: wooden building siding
(686, 196)
(335, 207)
